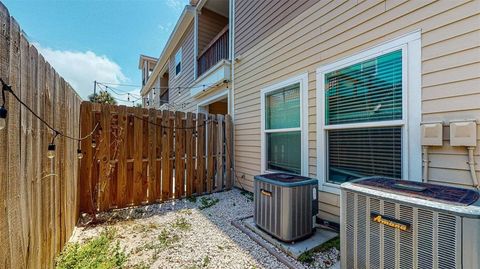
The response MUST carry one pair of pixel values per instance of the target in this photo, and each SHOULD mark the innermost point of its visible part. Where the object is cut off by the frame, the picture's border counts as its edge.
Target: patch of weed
(185, 211)
(141, 265)
(192, 199)
(247, 195)
(182, 224)
(332, 243)
(166, 238)
(306, 257)
(207, 202)
(206, 261)
(98, 252)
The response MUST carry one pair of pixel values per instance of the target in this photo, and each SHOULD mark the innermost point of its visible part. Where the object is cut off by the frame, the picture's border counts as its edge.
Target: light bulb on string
(51, 151)
(3, 117)
(94, 143)
(3, 110)
(52, 147)
(79, 154)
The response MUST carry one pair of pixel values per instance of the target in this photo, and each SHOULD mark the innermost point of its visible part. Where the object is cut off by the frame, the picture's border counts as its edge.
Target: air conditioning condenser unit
(390, 223)
(285, 205)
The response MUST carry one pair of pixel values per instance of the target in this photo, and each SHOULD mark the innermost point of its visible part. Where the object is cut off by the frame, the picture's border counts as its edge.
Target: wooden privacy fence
(38, 196)
(146, 156)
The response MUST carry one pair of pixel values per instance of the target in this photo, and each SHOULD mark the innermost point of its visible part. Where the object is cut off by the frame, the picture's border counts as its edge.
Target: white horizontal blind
(355, 153)
(366, 91)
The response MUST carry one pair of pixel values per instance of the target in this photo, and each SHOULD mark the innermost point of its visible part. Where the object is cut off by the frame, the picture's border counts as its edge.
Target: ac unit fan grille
(432, 241)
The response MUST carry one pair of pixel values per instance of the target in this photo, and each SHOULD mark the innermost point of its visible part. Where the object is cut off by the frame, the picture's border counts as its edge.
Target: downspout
(471, 164)
(195, 43)
(426, 162)
(232, 85)
(232, 58)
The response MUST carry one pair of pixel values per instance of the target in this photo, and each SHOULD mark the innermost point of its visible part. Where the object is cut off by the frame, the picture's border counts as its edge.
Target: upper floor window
(178, 62)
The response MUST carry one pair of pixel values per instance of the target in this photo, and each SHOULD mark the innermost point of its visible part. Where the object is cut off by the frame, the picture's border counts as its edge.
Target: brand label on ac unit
(390, 222)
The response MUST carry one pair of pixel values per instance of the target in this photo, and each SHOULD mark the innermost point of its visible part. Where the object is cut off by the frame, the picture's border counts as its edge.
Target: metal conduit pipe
(426, 162)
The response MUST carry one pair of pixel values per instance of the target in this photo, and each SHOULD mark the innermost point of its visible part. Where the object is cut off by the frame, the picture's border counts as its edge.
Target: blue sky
(87, 40)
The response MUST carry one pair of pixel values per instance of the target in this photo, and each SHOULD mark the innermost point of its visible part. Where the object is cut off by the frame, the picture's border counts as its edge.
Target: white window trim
(303, 80)
(411, 99)
(180, 50)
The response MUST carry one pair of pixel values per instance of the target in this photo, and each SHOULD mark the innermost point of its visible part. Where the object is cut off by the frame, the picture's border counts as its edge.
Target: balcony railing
(215, 51)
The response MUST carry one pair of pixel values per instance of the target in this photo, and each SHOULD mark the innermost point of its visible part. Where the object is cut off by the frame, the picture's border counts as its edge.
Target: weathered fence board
(38, 195)
(147, 156)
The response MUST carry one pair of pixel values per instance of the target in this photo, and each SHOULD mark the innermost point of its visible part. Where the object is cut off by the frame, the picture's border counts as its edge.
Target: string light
(79, 154)
(51, 147)
(51, 151)
(94, 144)
(3, 117)
(3, 110)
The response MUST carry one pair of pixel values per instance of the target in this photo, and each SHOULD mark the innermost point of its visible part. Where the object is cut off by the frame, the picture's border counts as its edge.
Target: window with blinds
(282, 129)
(366, 92)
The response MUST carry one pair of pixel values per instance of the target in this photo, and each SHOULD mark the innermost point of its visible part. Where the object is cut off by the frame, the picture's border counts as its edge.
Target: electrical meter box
(432, 134)
(463, 133)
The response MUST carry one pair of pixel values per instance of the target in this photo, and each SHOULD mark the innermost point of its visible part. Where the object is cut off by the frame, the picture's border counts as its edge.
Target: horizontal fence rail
(216, 51)
(38, 195)
(143, 156)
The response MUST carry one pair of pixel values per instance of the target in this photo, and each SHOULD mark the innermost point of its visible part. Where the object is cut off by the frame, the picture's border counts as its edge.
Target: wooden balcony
(214, 52)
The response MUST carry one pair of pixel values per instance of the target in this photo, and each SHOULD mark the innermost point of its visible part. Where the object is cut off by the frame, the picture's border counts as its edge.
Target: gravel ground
(181, 235)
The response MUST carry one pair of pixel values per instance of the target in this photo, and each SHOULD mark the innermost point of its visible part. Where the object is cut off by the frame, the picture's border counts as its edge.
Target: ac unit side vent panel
(432, 240)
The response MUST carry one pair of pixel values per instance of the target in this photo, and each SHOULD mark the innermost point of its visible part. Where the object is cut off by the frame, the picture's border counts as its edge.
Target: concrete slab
(294, 249)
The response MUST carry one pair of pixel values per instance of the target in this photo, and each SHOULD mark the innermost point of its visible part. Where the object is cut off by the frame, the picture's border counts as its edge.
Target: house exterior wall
(180, 97)
(255, 20)
(283, 46)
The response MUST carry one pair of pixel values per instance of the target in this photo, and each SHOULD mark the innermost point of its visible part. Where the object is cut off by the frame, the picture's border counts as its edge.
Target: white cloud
(165, 27)
(80, 69)
(176, 4)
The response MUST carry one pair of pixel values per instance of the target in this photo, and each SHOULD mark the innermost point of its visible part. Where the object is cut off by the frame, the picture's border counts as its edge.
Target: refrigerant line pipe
(471, 163)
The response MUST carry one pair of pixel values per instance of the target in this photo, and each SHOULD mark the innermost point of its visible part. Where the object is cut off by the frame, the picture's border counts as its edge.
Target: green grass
(307, 257)
(101, 252)
(207, 202)
(332, 243)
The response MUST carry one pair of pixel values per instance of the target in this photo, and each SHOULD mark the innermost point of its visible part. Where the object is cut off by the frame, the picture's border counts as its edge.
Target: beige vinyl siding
(180, 97)
(209, 25)
(255, 20)
(331, 30)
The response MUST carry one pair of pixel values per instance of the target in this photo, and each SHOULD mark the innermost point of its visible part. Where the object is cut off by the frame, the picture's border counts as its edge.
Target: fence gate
(138, 156)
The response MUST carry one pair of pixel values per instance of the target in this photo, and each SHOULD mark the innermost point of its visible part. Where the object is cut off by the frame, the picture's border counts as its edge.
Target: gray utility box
(285, 205)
